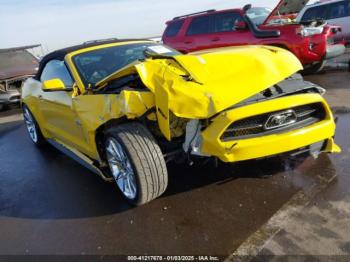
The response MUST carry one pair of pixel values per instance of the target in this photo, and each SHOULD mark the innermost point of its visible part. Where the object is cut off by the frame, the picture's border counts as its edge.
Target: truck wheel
(136, 162)
(33, 127)
(315, 68)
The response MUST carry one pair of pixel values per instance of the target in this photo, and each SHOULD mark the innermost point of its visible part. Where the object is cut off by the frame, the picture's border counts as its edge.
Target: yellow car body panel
(268, 145)
(201, 85)
(222, 79)
(96, 110)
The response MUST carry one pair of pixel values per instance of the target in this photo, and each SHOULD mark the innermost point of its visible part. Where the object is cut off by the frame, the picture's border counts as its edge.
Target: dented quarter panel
(95, 110)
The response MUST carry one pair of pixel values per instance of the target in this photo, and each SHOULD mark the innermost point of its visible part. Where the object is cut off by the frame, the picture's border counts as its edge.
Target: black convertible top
(61, 53)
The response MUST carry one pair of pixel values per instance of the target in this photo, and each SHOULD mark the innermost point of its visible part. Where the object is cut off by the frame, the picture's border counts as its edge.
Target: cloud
(57, 24)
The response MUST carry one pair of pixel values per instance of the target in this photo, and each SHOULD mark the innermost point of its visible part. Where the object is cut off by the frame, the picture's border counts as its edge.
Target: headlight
(308, 31)
(302, 31)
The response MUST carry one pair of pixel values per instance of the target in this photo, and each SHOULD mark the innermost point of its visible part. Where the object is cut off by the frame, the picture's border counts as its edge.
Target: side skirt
(80, 158)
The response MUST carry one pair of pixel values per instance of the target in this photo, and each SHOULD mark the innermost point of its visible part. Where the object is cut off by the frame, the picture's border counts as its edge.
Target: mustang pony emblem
(281, 119)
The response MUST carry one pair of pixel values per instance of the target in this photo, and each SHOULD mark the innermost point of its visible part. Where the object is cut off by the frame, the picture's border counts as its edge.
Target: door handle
(40, 97)
(215, 39)
(188, 42)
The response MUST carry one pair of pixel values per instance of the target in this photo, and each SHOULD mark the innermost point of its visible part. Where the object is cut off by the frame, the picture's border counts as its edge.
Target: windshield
(258, 14)
(96, 65)
(15, 59)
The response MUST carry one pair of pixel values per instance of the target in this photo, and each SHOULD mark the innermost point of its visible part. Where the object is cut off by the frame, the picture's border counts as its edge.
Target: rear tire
(134, 156)
(32, 127)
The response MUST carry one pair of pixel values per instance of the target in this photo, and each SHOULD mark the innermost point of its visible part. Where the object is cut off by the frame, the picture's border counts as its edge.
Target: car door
(198, 34)
(172, 35)
(225, 32)
(61, 120)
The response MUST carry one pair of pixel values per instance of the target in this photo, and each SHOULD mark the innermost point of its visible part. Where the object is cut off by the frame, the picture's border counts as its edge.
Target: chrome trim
(279, 119)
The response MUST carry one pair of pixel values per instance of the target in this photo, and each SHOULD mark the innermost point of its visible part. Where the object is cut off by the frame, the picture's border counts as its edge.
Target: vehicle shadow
(184, 178)
(45, 184)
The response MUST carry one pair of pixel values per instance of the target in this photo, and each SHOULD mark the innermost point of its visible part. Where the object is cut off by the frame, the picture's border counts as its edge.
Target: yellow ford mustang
(123, 108)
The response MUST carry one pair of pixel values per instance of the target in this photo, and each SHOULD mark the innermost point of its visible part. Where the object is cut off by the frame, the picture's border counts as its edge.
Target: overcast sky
(60, 23)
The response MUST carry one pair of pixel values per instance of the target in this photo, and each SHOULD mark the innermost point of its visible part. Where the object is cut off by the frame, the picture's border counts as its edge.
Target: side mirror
(55, 84)
(239, 26)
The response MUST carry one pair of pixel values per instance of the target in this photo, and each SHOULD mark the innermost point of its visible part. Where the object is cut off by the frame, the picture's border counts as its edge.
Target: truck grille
(275, 122)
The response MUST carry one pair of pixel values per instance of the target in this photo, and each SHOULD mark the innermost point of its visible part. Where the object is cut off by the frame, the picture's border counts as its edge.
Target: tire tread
(146, 157)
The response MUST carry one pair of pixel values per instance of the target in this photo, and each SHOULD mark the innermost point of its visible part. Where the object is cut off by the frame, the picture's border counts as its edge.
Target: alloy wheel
(121, 168)
(30, 124)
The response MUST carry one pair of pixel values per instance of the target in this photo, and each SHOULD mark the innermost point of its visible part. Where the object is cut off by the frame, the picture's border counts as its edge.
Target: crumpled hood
(222, 78)
(193, 86)
(286, 7)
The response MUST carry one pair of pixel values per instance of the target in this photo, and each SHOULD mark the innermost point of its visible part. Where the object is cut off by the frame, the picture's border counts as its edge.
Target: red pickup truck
(312, 41)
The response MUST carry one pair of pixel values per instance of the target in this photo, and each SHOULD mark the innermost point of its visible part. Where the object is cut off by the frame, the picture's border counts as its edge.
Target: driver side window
(57, 69)
(225, 22)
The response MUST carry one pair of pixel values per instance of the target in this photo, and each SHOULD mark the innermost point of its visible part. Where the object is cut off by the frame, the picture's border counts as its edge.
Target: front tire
(136, 162)
(315, 68)
(33, 127)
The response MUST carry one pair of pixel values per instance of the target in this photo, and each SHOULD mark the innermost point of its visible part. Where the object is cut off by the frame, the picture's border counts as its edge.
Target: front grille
(275, 122)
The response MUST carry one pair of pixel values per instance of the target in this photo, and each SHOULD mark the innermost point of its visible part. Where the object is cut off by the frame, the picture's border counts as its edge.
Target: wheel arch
(145, 156)
(34, 110)
(100, 133)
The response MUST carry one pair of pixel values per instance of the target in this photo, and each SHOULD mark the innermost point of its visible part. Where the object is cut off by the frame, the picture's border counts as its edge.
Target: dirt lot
(49, 204)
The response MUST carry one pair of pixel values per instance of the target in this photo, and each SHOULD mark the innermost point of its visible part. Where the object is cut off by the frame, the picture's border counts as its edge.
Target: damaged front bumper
(334, 51)
(210, 142)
